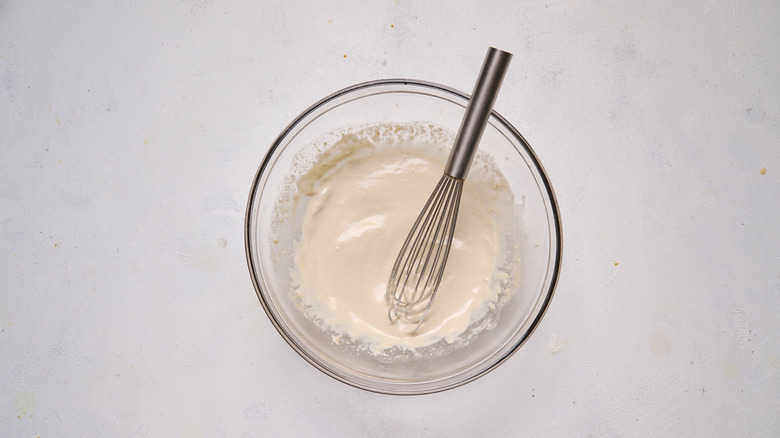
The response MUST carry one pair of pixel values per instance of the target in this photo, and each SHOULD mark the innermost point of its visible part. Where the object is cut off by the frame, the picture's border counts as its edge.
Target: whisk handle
(477, 113)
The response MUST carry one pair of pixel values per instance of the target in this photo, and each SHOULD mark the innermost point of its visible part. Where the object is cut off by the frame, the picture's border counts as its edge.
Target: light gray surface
(130, 133)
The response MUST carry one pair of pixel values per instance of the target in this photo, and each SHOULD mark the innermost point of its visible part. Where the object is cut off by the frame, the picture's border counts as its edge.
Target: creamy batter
(361, 205)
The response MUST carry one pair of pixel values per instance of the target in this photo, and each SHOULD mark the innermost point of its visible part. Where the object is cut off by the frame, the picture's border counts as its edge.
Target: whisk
(420, 264)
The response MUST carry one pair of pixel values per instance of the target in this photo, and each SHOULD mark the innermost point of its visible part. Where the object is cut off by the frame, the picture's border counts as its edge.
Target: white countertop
(130, 133)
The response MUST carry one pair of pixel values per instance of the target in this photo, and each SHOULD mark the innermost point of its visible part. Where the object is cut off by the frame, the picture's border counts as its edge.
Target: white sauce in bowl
(360, 203)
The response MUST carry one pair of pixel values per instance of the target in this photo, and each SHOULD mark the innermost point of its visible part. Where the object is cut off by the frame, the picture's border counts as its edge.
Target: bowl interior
(274, 223)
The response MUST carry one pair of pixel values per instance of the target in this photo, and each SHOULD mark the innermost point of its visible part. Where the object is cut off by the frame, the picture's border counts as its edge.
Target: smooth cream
(360, 202)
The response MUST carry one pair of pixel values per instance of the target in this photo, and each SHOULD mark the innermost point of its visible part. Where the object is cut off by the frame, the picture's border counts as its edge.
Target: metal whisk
(419, 268)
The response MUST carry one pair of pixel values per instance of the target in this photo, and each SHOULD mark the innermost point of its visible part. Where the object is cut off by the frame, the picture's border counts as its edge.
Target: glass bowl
(273, 225)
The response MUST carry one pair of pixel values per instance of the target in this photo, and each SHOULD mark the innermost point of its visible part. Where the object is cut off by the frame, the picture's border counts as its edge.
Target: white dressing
(359, 212)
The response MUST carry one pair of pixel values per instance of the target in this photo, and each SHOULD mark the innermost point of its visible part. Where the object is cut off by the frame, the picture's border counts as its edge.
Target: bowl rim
(556, 222)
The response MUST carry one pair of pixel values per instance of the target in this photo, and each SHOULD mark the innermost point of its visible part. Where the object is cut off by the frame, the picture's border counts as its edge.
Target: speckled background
(130, 133)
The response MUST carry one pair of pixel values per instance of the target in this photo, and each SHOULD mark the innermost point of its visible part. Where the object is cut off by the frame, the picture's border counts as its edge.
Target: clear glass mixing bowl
(272, 227)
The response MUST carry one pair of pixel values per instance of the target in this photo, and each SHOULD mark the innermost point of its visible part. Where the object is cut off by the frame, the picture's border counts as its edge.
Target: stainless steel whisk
(420, 264)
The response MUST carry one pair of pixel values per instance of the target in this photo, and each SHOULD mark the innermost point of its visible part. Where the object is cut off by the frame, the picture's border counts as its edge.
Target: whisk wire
(418, 270)
(450, 227)
(425, 239)
(411, 254)
(415, 238)
(438, 241)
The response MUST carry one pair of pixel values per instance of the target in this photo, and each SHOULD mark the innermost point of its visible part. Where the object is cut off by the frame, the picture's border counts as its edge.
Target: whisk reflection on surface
(419, 268)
